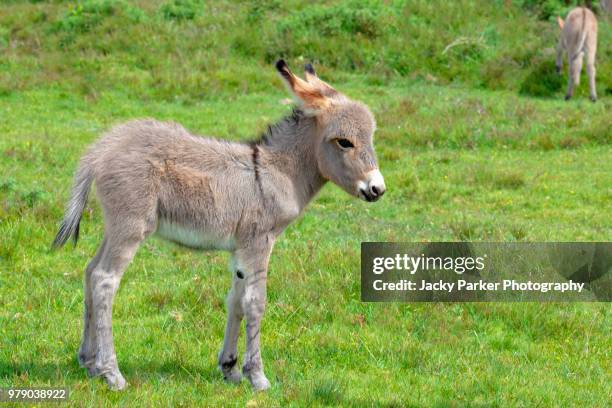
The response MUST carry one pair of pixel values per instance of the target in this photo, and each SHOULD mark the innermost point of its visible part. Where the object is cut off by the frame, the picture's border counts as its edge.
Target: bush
(350, 19)
(542, 80)
(550, 9)
(85, 16)
(545, 9)
(181, 9)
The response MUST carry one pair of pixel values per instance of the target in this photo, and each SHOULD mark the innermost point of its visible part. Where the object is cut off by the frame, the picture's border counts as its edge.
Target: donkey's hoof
(593, 99)
(86, 361)
(89, 365)
(233, 376)
(259, 382)
(228, 367)
(115, 381)
(568, 97)
(92, 371)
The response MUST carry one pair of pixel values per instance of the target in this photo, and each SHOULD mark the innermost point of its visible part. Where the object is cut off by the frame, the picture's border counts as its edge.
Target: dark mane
(280, 129)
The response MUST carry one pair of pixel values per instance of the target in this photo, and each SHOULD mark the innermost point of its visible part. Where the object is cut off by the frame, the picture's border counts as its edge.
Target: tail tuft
(76, 205)
(67, 230)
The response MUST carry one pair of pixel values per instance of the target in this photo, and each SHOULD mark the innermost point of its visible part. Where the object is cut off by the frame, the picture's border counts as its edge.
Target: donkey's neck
(290, 147)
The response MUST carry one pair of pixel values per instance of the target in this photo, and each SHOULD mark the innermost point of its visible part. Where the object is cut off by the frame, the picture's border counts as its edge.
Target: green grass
(188, 50)
(321, 344)
(466, 156)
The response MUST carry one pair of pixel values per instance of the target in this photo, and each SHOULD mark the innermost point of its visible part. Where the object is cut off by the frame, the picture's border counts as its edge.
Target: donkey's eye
(345, 143)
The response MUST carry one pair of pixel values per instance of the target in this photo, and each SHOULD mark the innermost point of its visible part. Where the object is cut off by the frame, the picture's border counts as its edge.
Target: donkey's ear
(309, 72)
(309, 95)
(312, 78)
(560, 22)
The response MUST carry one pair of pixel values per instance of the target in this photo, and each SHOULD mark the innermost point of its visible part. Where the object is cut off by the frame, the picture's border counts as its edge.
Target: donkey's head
(343, 147)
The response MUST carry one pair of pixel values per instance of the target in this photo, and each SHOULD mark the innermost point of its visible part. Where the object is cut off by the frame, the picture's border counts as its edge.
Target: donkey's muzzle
(370, 196)
(373, 187)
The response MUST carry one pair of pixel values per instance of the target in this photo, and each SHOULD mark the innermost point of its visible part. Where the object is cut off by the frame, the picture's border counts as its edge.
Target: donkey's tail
(583, 32)
(76, 205)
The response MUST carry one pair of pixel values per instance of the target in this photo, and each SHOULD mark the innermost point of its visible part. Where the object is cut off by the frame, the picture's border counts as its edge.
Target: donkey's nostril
(377, 191)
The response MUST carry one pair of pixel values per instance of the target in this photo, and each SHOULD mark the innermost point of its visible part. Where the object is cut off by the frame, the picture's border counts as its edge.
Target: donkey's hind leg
(121, 246)
(590, 67)
(87, 350)
(575, 66)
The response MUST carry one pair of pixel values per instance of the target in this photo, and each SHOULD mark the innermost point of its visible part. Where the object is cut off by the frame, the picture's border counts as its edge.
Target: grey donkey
(578, 38)
(157, 178)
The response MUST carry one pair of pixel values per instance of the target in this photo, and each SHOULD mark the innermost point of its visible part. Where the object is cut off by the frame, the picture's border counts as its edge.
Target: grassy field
(469, 152)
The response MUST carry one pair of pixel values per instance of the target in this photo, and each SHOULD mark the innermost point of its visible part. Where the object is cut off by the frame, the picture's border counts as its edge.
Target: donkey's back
(579, 28)
(149, 144)
(151, 174)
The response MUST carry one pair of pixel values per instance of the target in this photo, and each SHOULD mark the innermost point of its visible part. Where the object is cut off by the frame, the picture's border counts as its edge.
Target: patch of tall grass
(188, 50)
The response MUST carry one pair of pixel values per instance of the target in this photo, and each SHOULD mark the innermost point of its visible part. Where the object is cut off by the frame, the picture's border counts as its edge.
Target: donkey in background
(578, 37)
(154, 177)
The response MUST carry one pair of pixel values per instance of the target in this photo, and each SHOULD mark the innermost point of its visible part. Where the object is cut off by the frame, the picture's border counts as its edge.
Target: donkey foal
(154, 177)
(578, 37)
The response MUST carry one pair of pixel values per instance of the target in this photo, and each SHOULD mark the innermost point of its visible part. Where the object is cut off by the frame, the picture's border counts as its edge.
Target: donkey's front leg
(254, 264)
(228, 358)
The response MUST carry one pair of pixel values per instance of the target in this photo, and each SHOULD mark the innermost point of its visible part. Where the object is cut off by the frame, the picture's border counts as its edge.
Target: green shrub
(550, 9)
(88, 14)
(545, 9)
(542, 80)
(181, 9)
(332, 21)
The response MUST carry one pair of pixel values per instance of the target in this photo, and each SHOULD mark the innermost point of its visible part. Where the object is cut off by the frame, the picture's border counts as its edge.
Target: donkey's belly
(193, 238)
